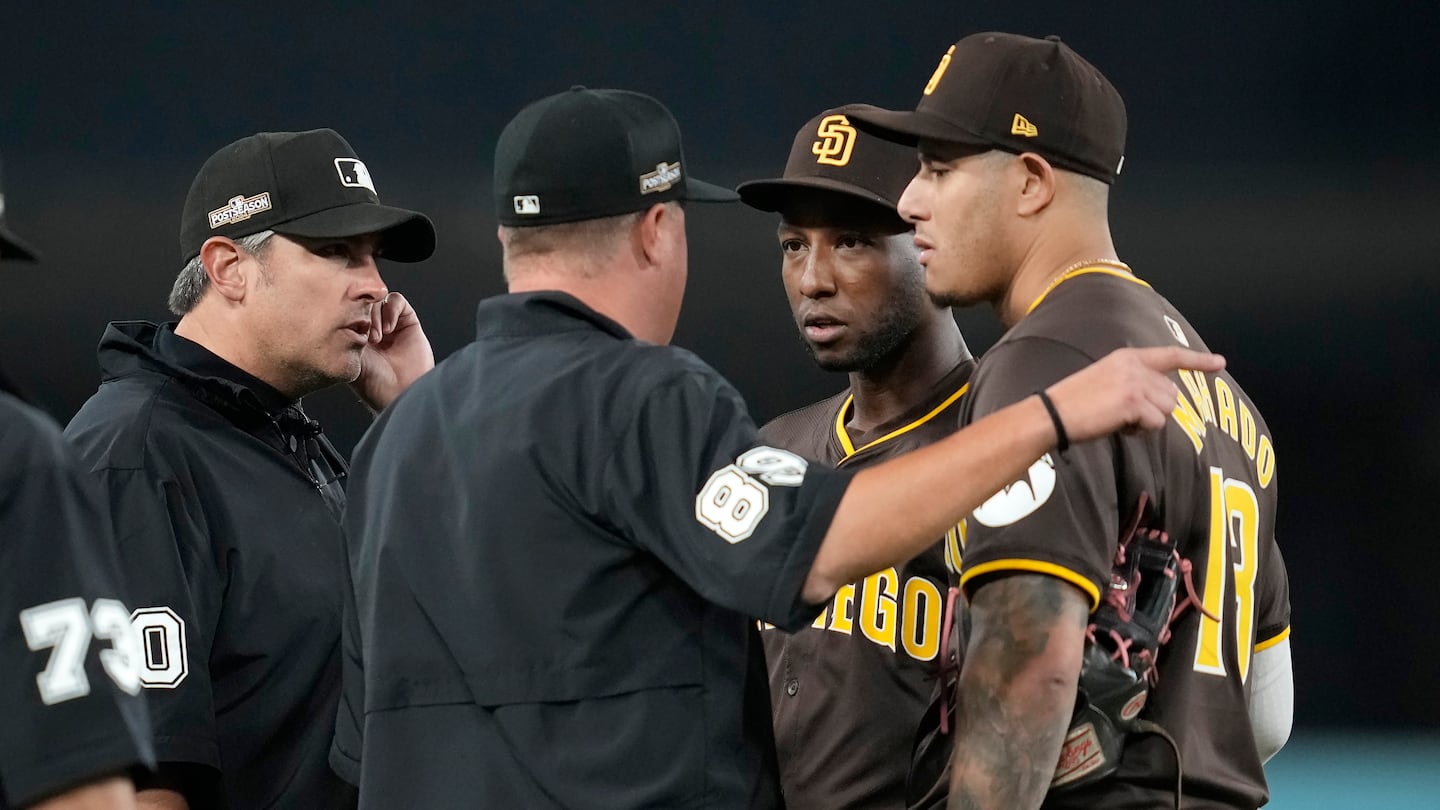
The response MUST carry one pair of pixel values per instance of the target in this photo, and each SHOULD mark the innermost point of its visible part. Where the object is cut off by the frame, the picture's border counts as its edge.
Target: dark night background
(1279, 187)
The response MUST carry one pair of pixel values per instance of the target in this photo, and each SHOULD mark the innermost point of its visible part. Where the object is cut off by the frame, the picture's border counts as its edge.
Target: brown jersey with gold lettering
(1210, 476)
(848, 691)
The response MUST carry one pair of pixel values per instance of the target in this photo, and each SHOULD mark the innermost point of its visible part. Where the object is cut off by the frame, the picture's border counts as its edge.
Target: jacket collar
(542, 312)
(131, 346)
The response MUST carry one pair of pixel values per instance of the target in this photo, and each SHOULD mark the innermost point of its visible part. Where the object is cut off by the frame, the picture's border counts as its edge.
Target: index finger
(1170, 358)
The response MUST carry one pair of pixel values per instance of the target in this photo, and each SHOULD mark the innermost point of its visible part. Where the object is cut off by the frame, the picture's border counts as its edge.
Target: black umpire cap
(831, 154)
(12, 247)
(309, 184)
(587, 154)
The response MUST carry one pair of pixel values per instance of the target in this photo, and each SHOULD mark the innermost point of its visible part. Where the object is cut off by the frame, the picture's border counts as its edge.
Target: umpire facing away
(559, 536)
(225, 496)
(75, 724)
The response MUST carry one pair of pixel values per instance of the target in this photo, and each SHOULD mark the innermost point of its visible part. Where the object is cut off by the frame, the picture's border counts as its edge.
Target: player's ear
(651, 233)
(1037, 184)
(223, 261)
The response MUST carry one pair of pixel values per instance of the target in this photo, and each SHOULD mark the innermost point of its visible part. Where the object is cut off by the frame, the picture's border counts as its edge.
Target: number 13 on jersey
(1234, 540)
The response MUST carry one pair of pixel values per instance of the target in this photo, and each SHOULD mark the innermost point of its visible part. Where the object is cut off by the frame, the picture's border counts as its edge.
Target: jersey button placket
(792, 686)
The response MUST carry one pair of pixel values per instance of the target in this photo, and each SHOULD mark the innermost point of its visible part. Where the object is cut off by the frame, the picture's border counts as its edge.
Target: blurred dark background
(1279, 187)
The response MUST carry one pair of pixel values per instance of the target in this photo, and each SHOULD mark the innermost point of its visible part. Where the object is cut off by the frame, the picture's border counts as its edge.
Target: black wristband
(1062, 441)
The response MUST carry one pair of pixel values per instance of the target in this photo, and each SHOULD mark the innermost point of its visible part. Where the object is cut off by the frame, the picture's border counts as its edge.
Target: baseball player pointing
(1019, 142)
(560, 535)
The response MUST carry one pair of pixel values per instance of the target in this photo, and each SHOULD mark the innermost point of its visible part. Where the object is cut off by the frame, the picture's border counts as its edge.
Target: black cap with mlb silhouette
(1018, 94)
(831, 154)
(12, 247)
(586, 154)
(308, 184)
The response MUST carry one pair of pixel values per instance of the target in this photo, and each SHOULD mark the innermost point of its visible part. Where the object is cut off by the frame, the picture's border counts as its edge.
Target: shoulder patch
(1021, 498)
(736, 497)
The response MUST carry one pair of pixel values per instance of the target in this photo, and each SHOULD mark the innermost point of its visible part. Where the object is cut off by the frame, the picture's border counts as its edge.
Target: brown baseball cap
(1018, 94)
(831, 154)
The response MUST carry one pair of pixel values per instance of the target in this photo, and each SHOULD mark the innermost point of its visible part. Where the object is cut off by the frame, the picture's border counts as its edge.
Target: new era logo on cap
(527, 204)
(353, 174)
(1022, 126)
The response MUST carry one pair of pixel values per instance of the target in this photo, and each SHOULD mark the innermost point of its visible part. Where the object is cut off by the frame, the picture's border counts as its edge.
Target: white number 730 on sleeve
(66, 627)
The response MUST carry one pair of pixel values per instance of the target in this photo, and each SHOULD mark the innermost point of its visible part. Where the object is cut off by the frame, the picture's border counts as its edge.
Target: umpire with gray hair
(225, 495)
(560, 536)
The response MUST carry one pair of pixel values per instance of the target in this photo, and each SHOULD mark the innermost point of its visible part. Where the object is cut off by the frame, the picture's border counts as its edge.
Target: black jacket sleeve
(177, 587)
(70, 686)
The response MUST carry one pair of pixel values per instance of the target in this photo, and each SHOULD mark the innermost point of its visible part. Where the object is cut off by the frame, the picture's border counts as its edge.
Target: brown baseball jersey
(847, 691)
(1211, 477)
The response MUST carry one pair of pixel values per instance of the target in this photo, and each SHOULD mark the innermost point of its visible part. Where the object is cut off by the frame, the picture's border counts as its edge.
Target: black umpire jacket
(226, 501)
(557, 538)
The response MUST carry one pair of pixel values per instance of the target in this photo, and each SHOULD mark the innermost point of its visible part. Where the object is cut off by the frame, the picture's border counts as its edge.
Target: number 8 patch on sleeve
(737, 496)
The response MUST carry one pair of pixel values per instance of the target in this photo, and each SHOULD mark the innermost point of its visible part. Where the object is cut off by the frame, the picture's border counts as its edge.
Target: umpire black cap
(308, 184)
(12, 247)
(586, 154)
(830, 154)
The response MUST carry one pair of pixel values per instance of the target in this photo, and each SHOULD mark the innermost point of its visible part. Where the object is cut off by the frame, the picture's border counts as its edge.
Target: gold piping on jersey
(1271, 642)
(849, 447)
(1090, 266)
(1038, 567)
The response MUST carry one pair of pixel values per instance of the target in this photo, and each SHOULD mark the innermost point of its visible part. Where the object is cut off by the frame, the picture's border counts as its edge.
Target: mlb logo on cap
(353, 174)
(527, 204)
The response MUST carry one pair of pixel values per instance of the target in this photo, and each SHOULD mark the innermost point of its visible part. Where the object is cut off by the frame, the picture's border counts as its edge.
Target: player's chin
(948, 295)
(833, 358)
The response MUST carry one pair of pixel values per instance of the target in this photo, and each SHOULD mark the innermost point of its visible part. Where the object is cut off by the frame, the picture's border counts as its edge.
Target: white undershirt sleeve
(1272, 698)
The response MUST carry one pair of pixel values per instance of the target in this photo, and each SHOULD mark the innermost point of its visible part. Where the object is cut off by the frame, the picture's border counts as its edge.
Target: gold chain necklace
(1115, 263)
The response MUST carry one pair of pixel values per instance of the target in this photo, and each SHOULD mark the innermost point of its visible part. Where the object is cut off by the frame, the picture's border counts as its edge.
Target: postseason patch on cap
(527, 204)
(239, 209)
(665, 176)
(353, 174)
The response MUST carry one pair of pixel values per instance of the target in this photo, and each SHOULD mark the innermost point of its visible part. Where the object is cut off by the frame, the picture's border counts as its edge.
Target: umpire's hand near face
(397, 354)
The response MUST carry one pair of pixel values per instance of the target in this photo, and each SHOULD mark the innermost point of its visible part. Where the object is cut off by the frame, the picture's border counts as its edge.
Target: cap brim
(771, 195)
(701, 191)
(405, 236)
(910, 126)
(13, 248)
